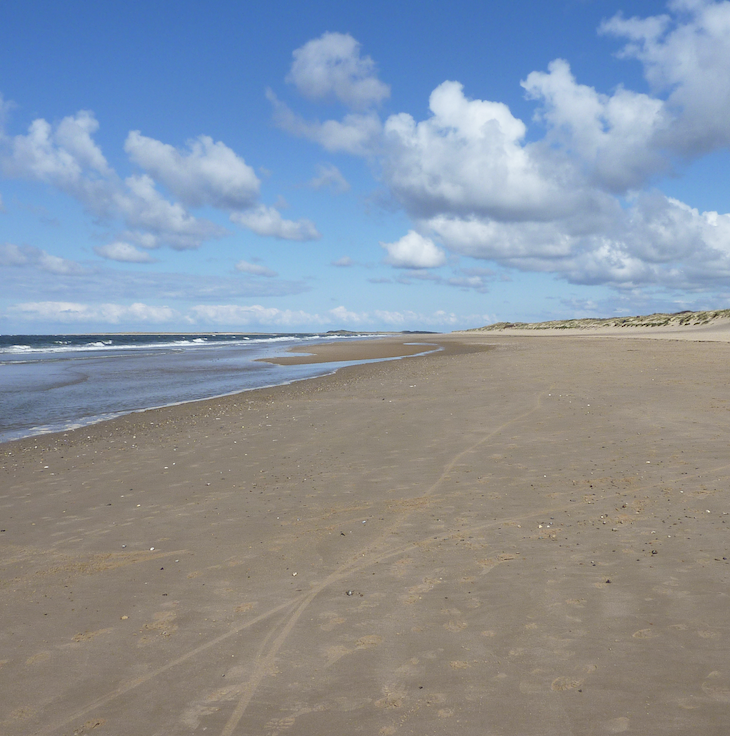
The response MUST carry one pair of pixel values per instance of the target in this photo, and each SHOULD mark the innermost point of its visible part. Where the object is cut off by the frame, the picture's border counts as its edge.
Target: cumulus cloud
(685, 54)
(332, 66)
(328, 175)
(255, 269)
(207, 173)
(468, 157)
(613, 137)
(27, 255)
(67, 157)
(357, 133)
(123, 252)
(581, 202)
(656, 240)
(70, 312)
(414, 251)
(268, 221)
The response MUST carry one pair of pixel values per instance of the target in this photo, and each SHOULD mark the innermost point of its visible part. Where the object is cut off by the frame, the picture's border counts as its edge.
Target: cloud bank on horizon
(573, 193)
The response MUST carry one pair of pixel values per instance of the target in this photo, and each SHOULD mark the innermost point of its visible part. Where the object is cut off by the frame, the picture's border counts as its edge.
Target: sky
(288, 166)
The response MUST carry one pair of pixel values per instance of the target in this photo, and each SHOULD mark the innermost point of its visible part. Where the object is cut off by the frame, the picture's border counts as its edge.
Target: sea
(51, 383)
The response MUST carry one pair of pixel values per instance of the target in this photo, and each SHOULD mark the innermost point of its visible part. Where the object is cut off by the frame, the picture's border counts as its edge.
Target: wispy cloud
(255, 269)
(330, 177)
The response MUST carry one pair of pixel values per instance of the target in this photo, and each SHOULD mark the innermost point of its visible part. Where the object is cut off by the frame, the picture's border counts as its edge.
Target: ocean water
(50, 383)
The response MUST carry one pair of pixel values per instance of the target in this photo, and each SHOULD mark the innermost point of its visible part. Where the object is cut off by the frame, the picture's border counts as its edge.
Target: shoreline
(525, 534)
(345, 352)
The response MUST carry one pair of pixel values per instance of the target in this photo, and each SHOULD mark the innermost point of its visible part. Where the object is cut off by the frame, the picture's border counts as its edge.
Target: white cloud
(328, 175)
(687, 55)
(343, 314)
(468, 157)
(331, 65)
(344, 262)
(2, 206)
(255, 269)
(414, 251)
(123, 252)
(27, 255)
(208, 173)
(58, 265)
(578, 202)
(234, 314)
(12, 255)
(268, 317)
(357, 133)
(144, 208)
(268, 221)
(66, 157)
(69, 312)
(656, 240)
(613, 136)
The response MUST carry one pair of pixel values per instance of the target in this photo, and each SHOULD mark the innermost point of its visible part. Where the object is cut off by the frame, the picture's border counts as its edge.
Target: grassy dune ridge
(678, 319)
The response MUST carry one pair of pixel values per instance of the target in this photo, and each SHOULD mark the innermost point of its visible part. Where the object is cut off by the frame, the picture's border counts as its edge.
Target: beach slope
(512, 535)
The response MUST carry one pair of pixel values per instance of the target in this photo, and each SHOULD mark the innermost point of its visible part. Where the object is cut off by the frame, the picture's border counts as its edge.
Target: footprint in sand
(366, 642)
(335, 653)
(708, 634)
(643, 634)
(332, 620)
(455, 626)
(393, 698)
(275, 726)
(717, 687)
(245, 607)
(617, 725)
(565, 683)
(40, 657)
(89, 635)
(414, 593)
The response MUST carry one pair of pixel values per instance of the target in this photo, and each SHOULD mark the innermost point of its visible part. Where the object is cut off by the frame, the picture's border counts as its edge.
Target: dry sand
(514, 536)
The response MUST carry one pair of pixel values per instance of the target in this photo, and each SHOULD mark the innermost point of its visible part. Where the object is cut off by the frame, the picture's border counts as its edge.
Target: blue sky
(307, 166)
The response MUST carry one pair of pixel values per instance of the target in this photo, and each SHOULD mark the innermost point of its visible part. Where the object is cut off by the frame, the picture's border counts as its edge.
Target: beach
(513, 535)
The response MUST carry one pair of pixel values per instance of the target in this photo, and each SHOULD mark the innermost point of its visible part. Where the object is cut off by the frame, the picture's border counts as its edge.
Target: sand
(512, 536)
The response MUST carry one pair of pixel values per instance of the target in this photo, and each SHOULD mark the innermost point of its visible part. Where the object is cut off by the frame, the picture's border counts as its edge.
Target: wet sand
(516, 535)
